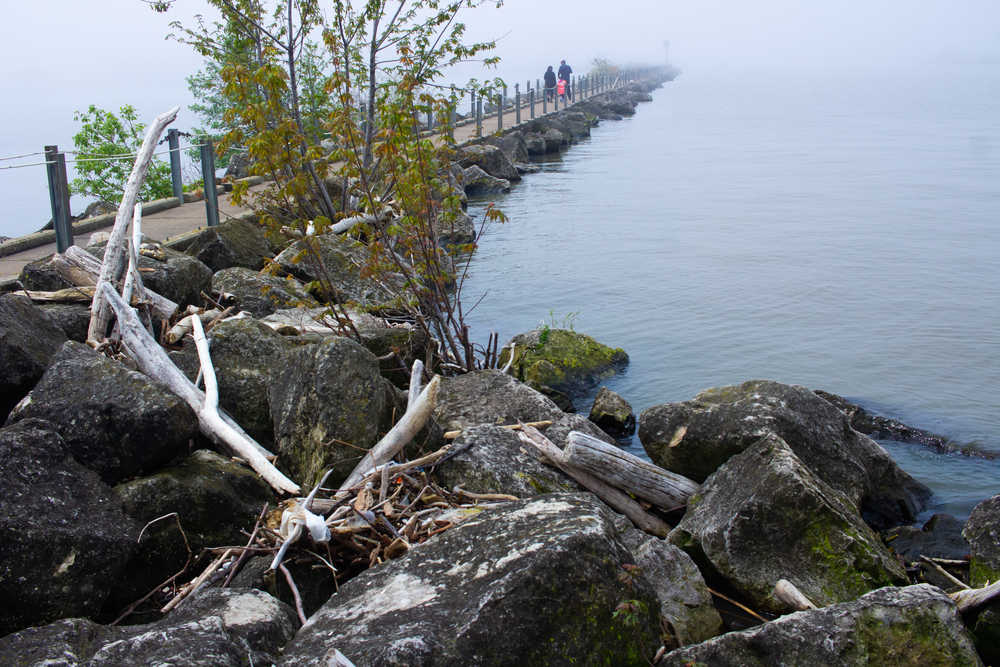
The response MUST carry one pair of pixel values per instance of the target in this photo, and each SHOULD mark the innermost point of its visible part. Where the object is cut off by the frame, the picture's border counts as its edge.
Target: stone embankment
(483, 554)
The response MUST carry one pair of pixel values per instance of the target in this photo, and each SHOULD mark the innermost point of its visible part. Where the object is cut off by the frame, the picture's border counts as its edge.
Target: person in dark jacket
(550, 84)
(564, 71)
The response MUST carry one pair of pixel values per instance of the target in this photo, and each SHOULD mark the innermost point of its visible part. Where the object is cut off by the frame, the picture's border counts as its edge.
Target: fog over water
(814, 200)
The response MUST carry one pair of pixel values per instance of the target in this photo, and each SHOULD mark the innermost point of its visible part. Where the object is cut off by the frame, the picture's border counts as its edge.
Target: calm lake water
(839, 233)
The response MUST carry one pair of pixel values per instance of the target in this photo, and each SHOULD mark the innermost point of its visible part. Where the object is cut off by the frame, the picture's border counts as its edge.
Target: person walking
(550, 84)
(564, 72)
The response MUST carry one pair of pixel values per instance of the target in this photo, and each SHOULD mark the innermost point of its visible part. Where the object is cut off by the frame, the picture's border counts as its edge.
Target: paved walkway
(188, 217)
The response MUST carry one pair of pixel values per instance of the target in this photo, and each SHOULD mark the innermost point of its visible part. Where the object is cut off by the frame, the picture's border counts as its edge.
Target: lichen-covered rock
(694, 438)
(490, 397)
(490, 159)
(65, 535)
(764, 516)
(684, 598)
(612, 414)
(342, 259)
(261, 295)
(535, 144)
(939, 537)
(72, 318)
(525, 583)
(218, 627)
(179, 277)
(41, 275)
(28, 339)
(236, 242)
(986, 633)
(329, 404)
(554, 140)
(982, 531)
(114, 421)
(409, 342)
(477, 181)
(214, 499)
(916, 625)
(491, 461)
(512, 145)
(564, 360)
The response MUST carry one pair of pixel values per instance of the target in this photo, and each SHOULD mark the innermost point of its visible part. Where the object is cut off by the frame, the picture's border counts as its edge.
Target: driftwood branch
(970, 599)
(153, 361)
(791, 596)
(626, 471)
(616, 498)
(944, 573)
(111, 268)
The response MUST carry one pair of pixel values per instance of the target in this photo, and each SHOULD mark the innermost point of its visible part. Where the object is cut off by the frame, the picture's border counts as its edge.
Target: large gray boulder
(561, 359)
(986, 633)
(478, 181)
(982, 531)
(114, 421)
(490, 159)
(695, 437)
(236, 242)
(169, 273)
(939, 537)
(41, 275)
(554, 140)
(72, 318)
(28, 339)
(916, 625)
(685, 601)
(490, 397)
(217, 627)
(764, 516)
(535, 144)
(885, 428)
(214, 499)
(341, 261)
(529, 582)
(261, 294)
(65, 535)
(329, 404)
(491, 461)
(612, 414)
(513, 146)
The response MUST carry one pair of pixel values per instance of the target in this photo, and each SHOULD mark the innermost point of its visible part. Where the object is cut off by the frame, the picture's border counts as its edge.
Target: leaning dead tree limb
(791, 596)
(153, 361)
(111, 268)
(972, 598)
(615, 498)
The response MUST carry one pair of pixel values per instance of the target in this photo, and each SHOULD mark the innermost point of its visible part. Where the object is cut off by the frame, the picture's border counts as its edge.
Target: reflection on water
(838, 234)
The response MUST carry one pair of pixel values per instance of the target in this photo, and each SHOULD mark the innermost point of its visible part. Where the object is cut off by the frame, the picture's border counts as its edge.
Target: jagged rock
(562, 400)
(72, 318)
(114, 421)
(982, 531)
(529, 582)
(612, 414)
(681, 590)
(342, 258)
(513, 146)
(490, 397)
(884, 428)
(554, 140)
(41, 275)
(490, 159)
(260, 294)
(28, 339)
(218, 627)
(478, 181)
(65, 534)
(491, 461)
(410, 343)
(325, 395)
(315, 585)
(564, 360)
(535, 144)
(916, 625)
(940, 537)
(214, 499)
(812, 534)
(235, 242)
(177, 276)
(694, 438)
(986, 633)
(619, 102)
(456, 229)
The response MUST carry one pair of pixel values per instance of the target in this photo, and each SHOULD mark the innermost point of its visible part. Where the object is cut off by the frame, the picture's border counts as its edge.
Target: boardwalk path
(175, 221)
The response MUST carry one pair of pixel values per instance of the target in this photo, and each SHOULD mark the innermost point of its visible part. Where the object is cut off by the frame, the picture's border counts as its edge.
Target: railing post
(517, 103)
(503, 99)
(174, 143)
(531, 98)
(451, 120)
(555, 98)
(545, 102)
(572, 89)
(208, 174)
(479, 116)
(55, 169)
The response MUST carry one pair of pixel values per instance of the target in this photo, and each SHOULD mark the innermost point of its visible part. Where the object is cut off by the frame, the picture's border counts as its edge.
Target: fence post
(55, 168)
(555, 98)
(503, 97)
(531, 99)
(208, 174)
(173, 141)
(545, 102)
(451, 120)
(479, 116)
(517, 103)
(572, 89)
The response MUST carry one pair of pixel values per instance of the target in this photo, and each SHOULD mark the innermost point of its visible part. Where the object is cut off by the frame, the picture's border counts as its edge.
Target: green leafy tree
(104, 145)
(602, 66)
(385, 58)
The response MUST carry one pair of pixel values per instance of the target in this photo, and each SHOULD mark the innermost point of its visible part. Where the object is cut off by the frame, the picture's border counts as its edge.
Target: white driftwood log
(408, 426)
(791, 596)
(615, 498)
(133, 281)
(628, 472)
(111, 268)
(153, 361)
(81, 268)
(186, 325)
(974, 597)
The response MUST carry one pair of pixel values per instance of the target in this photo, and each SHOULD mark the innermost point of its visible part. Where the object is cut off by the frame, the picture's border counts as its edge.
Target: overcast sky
(61, 55)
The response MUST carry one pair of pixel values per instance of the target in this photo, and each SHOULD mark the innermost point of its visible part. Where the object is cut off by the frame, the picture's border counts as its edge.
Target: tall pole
(55, 167)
